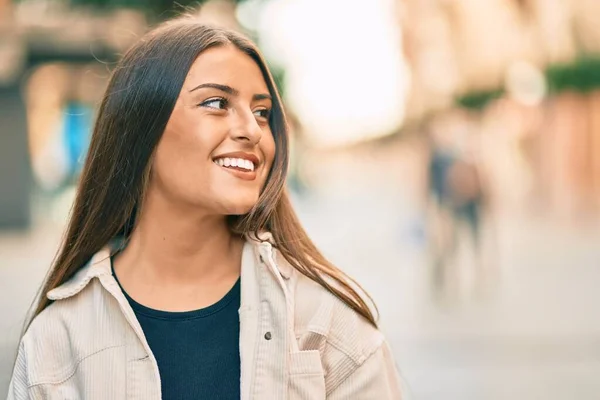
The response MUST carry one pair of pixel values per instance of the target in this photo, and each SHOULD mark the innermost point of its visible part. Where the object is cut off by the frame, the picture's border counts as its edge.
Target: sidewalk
(530, 331)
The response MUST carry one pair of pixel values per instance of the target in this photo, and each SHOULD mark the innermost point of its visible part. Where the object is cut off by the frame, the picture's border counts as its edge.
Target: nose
(246, 129)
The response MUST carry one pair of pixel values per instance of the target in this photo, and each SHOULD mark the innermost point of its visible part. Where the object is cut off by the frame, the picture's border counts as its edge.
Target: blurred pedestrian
(459, 198)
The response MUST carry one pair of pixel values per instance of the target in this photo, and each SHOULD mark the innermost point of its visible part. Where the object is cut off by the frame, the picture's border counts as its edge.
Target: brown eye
(218, 103)
(262, 113)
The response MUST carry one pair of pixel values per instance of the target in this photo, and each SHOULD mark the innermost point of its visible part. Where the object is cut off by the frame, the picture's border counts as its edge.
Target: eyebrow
(229, 90)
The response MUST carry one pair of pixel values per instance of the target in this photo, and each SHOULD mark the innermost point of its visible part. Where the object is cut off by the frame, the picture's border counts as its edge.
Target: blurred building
(54, 61)
(503, 49)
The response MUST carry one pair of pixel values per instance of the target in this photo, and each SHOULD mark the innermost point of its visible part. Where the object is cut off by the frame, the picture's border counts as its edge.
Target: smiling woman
(185, 272)
(222, 113)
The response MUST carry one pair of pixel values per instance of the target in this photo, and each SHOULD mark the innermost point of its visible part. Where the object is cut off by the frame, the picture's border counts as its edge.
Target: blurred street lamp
(525, 83)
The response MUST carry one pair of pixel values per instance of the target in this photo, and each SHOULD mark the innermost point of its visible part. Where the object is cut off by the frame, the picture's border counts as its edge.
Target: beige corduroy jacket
(297, 341)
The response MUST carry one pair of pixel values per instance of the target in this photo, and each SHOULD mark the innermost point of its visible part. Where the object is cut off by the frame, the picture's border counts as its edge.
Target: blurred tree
(478, 100)
(278, 74)
(155, 9)
(582, 75)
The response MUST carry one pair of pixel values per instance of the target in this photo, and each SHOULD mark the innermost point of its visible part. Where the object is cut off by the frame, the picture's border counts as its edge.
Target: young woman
(184, 273)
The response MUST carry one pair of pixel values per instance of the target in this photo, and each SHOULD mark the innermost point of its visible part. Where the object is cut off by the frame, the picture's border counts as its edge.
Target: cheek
(168, 169)
(179, 159)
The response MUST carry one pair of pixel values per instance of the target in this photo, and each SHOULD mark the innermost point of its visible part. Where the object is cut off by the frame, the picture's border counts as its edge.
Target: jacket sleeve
(18, 388)
(376, 378)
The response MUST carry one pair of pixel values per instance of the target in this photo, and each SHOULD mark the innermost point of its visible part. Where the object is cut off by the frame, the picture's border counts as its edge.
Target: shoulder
(65, 314)
(323, 322)
(60, 337)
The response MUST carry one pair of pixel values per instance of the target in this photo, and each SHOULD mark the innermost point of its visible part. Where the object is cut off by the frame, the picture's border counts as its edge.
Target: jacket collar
(100, 265)
(267, 250)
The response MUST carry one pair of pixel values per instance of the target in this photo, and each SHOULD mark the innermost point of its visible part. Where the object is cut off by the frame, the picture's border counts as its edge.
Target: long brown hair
(138, 102)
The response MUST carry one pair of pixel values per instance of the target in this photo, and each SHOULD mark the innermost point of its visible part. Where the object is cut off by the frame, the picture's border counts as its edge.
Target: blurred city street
(449, 160)
(520, 333)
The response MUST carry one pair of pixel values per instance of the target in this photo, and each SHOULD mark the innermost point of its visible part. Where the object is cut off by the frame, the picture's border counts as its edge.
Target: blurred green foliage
(582, 75)
(278, 74)
(479, 100)
(155, 9)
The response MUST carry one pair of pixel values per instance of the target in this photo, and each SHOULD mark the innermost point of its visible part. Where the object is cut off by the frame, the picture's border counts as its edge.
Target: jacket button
(268, 336)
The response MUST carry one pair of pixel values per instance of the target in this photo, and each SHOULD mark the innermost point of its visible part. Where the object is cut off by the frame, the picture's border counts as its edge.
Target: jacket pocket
(307, 380)
(98, 376)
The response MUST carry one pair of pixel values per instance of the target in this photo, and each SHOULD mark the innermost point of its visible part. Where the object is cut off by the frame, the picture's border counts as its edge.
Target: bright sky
(346, 78)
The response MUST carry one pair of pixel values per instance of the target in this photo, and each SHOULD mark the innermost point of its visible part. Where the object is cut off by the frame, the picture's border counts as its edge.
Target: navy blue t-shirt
(197, 351)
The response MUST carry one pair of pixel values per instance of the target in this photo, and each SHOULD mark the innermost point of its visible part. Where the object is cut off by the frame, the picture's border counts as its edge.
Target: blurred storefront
(55, 61)
(480, 70)
(60, 103)
(522, 70)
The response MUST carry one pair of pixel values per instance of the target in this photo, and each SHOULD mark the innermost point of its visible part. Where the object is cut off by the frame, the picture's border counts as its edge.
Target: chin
(240, 210)
(239, 207)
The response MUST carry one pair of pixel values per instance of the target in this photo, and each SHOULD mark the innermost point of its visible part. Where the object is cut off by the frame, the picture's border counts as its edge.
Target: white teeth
(235, 162)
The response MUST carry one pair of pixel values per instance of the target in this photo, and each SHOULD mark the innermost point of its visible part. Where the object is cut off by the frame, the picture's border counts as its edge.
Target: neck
(180, 244)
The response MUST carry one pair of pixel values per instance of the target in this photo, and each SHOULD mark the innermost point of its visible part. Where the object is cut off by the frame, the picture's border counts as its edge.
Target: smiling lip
(238, 172)
(240, 154)
(245, 175)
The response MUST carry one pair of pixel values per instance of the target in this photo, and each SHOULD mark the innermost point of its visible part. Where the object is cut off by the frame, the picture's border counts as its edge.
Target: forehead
(226, 65)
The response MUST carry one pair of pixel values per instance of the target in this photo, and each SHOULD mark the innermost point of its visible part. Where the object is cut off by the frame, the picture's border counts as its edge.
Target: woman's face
(217, 148)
